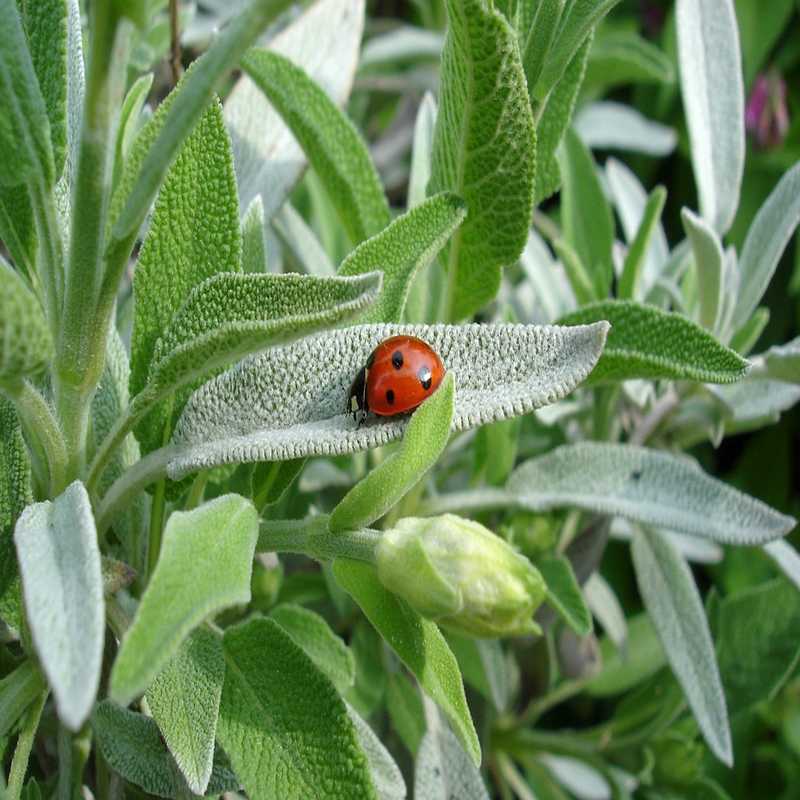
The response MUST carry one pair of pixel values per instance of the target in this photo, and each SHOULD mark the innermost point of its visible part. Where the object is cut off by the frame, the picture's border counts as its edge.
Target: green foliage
(630, 280)
(443, 769)
(564, 593)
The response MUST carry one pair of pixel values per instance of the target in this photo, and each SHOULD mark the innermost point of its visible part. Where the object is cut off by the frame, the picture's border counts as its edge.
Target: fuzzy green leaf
(292, 402)
(443, 770)
(407, 245)
(25, 343)
(646, 486)
(646, 342)
(300, 243)
(328, 652)
(564, 594)
(254, 245)
(418, 643)
(204, 566)
(17, 230)
(18, 690)
(539, 37)
(424, 439)
(25, 149)
(385, 774)
(130, 118)
(132, 746)
(184, 701)
(630, 281)
(62, 584)
(782, 362)
(622, 57)
(331, 142)
(673, 602)
(405, 709)
(286, 738)
(607, 125)
(484, 150)
(585, 214)
(324, 41)
(707, 251)
(484, 667)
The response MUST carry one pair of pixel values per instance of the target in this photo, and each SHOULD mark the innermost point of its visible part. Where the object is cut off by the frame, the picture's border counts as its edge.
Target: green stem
(310, 537)
(22, 752)
(564, 691)
(605, 401)
(156, 525)
(513, 778)
(486, 499)
(114, 438)
(197, 491)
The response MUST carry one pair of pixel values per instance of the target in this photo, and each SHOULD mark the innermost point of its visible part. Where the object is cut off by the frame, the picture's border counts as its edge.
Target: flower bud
(459, 573)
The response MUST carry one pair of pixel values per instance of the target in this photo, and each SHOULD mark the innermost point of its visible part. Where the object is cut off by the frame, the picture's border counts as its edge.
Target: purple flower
(766, 116)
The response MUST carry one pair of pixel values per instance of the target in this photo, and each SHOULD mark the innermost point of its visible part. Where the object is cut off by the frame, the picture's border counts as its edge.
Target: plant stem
(197, 491)
(22, 752)
(662, 409)
(310, 537)
(156, 525)
(513, 778)
(175, 42)
(485, 499)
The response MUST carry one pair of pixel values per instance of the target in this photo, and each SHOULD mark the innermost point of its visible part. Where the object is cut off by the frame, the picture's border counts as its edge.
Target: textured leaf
(646, 342)
(324, 41)
(755, 401)
(606, 609)
(646, 486)
(418, 643)
(673, 602)
(422, 150)
(17, 231)
(251, 414)
(607, 125)
(622, 57)
(402, 249)
(130, 117)
(483, 664)
(404, 705)
(328, 652)
(301, 243)
(707, 251)
(25, 149)
(585, 214)
(443, 770)
(331, 142)
(630, 280)
(424, 439)
(553, 120)
(538, 38)
(782, 362)
(184, 701)
(25, 343)
(713, 101)
(62, 584)
(564, 593)
(484, 150)
(204, 566)
(254, 245)
(286, 739)
(766, 240)
(786, 559)
(132, 746)
(15, 494)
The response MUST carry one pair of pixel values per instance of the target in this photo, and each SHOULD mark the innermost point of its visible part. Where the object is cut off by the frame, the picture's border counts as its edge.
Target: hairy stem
(156, 525)
(22, 752)
(310, 537)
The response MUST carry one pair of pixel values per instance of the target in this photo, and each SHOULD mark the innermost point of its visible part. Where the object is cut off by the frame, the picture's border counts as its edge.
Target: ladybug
(399, 374)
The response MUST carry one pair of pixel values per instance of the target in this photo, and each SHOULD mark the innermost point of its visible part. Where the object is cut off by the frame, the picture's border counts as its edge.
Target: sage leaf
(630, 280)
(707, 251)
(204, 566)
(25, 342)
(130, 118)
(254, 245)
(484, 667)
(646, 342)
(404, 705)
(324, 41)
(713, 100)
(249, 414)
(26, 152)
(330, 141)
(786, 559)
(422, 150)
(286, 739)
(585, 214)
(564, 593)
(385, 774)
(782, 362)
(624, 57)
(15, 494)
(766, 240)
(132, 746)
(756, 401)
(62, 583)
(484, 150)
(417, 642)
(313, 634)
(402, 249)
(607, 125)
(647, 486)
(444, 770)
(184, 701)
(17, 229)
(606, 609)
(538, 38)
(424, 439)
(673, 602)
(300, 243)
(18, 690)
(758, 642)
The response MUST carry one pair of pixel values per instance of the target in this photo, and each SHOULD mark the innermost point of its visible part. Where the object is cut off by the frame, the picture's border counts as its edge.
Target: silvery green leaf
(630, 200)
(62, 583)
(324, 42)
(444, 770)
(713, 101)
(254, 243)
(404, 43)
(484, 666)
(484, 150)
(579, 778)
(756, 401)
(673, 603)
(130, 118)
(386, 776)
(700, 551)
(551, 287)
(647, 486)
(301, 242)
(786, 558)
(782, 362)
(730, 292)
(629, 286)
(246, 414)
(707, 252)
(606, 609)
(564, 593)
(607, 125)
(766, 240)
(624, 57)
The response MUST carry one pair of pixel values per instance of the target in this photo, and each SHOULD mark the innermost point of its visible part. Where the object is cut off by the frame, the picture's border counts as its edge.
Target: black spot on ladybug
(397, 359)
(424, 375)
(636, 474)
(390, 397)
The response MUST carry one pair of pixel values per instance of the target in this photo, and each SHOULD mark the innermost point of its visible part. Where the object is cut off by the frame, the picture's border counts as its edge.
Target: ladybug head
(357, 399)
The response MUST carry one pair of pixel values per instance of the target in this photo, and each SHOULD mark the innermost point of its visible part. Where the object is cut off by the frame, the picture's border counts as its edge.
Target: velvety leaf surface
(254, 245)
(707, 252)
(443, 770)
(291, 402)
(286, 739)
(782, 361)
(647, 486)
(484, 150)
(630, 282)
(17, 231)
(329, 139)
(204, 566)
(403, 248)
(608, 125)
(536, 38)
(621, 57)
(418, 643)
(674, 604)
(184, 701)
(62, 584)
(424, 439)
(564, 593)
(404, 705)
(646, 342)
(484, 667)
